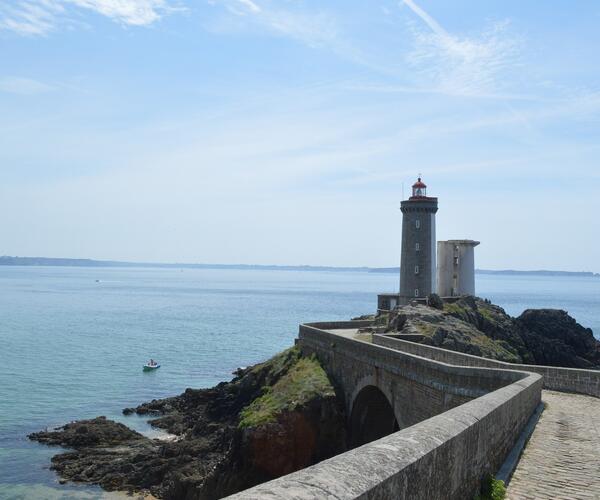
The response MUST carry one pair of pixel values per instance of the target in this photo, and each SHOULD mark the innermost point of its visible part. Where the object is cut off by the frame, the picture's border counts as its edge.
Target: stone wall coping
(340, 325)
(463, 380)
(495, 361)
(576, 380)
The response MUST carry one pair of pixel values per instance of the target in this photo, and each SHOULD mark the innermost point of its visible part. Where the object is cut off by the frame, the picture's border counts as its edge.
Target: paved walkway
(562, 459)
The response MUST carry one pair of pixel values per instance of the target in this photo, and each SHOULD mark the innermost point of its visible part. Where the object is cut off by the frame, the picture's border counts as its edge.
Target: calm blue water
(72, 347)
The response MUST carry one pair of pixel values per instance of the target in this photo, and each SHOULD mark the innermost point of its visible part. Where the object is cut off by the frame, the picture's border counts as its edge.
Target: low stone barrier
(555, 378)
(443, 457)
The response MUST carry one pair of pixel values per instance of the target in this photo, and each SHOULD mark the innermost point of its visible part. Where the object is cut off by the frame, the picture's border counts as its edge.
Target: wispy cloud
(237, 7)
(313, 28)
(132, 12)
(39, 17)
(462, 65)
(31, 18)
(23, 86)
(439, 62)
(250, 5)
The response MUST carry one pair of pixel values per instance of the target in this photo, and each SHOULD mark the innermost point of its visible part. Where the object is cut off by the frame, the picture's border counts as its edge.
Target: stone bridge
(385, 390)
(425, 423)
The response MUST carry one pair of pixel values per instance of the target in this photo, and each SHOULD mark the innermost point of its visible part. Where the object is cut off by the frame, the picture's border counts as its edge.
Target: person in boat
(152, 362)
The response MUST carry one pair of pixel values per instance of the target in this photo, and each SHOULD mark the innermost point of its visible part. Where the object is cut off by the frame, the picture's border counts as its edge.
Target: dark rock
(396, 322)
(364, 317)
(439, 336)
(435, 301)
(554, 338)
(493, 321)
(96, 432)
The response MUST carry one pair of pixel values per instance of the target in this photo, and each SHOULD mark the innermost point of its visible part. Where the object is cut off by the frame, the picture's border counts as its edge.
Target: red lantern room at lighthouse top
(419, 190)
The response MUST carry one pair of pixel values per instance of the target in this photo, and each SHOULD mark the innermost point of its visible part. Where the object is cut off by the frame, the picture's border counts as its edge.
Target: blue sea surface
(73, 340)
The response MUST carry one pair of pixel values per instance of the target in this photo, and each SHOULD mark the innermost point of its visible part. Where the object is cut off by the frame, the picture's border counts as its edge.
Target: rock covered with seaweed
(271, 419)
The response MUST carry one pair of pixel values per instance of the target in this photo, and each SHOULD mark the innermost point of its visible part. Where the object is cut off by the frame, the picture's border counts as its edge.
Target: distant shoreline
(65, 262)
(507, 272)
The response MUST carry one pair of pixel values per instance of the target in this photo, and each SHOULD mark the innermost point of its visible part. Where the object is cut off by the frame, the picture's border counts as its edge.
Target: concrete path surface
(562, 459)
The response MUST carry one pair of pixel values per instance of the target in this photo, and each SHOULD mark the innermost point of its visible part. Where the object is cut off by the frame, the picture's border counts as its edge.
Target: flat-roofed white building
(456, 267)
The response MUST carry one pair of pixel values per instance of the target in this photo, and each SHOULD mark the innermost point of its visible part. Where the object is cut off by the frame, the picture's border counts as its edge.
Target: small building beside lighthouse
(418, 257)
(456, 268)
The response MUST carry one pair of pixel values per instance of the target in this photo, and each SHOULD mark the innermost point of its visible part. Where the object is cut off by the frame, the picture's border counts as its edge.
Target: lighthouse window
(416, 269)
(417, 247)
(416, 292)
(418, 224)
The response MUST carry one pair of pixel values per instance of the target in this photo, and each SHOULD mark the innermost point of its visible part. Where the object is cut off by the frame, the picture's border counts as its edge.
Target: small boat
(150, 367)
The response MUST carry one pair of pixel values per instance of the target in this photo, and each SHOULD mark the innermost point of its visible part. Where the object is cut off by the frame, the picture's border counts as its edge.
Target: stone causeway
(428, 423)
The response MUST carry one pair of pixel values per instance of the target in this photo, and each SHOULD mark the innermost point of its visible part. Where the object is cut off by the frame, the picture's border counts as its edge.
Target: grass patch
(492, 489)
(424, 328)
(453, 308)
(487, 314)
(304, 381)
(278, 364)
(493, 349)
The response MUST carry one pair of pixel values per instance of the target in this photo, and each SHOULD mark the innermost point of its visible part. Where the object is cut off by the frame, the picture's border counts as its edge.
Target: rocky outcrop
(96, 432)
(554, 338)
(435, 301)
(271, 419)
(105, 453)
(441, 328)
(475, 326)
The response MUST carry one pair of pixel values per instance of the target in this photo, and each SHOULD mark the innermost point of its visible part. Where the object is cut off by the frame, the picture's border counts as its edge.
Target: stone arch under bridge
(372, 416)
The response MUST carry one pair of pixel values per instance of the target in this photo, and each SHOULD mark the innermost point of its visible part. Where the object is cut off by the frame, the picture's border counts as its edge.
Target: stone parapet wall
(555, 378)
(442, 457)
(314, 338)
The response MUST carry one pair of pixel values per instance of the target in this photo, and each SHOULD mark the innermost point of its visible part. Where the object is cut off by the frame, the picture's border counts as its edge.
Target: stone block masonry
(418, 264)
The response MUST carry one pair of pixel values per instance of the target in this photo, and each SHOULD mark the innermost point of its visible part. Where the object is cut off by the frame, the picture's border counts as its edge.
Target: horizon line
(86, 262)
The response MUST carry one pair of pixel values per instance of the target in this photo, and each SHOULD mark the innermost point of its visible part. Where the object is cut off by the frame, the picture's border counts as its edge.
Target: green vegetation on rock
(278, 365)
(469, 325)
(454, 309)
(305, 380)
(492, 489)
(424, 328)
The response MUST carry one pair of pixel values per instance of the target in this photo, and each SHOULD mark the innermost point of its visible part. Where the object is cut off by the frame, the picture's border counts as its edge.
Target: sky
(287, 132)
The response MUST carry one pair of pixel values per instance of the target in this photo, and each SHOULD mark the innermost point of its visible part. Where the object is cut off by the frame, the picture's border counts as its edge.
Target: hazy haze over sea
(74, 339)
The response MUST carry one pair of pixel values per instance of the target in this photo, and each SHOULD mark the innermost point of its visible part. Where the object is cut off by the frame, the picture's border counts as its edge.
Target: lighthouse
(418, 263)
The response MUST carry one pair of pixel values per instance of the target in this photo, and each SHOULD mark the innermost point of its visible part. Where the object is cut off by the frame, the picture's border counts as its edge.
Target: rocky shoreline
(270, 420)
(283, 415)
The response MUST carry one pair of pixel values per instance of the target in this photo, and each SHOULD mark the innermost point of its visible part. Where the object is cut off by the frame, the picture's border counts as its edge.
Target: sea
(73, 340)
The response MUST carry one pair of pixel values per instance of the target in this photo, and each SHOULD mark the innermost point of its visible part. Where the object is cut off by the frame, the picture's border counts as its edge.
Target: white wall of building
(456, 267)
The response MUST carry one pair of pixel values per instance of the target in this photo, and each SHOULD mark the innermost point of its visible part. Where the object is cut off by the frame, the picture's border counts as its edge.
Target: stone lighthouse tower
(417, 265)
